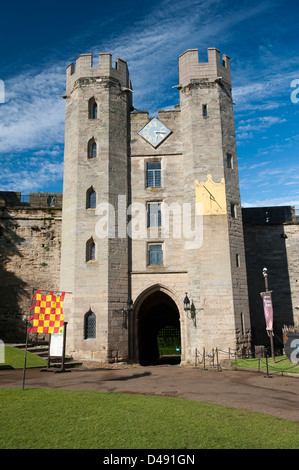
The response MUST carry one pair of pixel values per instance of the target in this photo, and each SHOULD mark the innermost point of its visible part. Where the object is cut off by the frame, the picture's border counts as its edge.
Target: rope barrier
(232, 354)
(281, 370)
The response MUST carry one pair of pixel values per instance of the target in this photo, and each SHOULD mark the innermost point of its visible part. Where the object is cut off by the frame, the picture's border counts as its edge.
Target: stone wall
(291, 231)
(29, 258)
(272, 241)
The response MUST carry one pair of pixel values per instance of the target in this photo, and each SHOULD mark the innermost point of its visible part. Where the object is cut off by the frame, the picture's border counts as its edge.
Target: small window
(155, 255)
(92, 148)
(233, 211)
(237, 260)
(89, 325)
(90, 250)
(204, 110)
(153, 174)
(95, 111)
(229, 161)
(154, 215)
(92, 109)
(91, 198)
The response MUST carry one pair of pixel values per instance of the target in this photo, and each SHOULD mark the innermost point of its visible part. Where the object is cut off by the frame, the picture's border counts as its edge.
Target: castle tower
(217, 275)
(94, 267)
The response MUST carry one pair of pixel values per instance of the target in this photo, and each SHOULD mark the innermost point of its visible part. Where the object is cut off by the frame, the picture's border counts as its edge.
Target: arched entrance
(159, 338)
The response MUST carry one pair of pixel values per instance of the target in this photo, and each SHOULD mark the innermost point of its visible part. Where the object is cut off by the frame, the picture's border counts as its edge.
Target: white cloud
(257, 165)
(272, 202)
(33, 114)
(53, 152)
(271, 90)
(245, 128)
(33, 176)
(152, 46)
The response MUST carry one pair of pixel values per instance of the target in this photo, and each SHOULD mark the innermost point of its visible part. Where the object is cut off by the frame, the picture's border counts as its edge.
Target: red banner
(268, 309)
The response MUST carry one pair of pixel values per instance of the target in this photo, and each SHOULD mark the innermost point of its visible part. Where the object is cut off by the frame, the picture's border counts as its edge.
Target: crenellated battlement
(191, 69)
(84, 68)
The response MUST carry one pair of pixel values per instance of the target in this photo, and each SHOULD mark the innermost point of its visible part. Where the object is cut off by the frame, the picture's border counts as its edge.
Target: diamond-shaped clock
(154, 132)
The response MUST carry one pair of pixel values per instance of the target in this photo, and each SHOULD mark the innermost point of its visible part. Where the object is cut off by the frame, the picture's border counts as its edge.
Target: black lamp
(191, 309)
(125, 312)
(186, 303)
(129, 304)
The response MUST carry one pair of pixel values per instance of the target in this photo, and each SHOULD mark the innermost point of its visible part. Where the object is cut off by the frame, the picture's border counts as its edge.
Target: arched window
(92, 149)
(91, 198)
(90, 250)
(89, 325)
(92, 109)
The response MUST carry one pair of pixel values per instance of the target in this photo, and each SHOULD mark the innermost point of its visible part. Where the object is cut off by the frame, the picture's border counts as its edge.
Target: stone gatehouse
(151, 216)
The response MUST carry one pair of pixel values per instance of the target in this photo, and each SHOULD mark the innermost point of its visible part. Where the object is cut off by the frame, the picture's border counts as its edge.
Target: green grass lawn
(14, 359)
(52, 419)
(281, 364)
(49, 419)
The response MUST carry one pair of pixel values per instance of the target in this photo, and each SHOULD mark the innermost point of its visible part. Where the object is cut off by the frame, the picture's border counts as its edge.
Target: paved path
(278, 396)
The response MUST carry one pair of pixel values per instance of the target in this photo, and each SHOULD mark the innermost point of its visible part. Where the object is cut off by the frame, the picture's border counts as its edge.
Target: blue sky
(39, 39)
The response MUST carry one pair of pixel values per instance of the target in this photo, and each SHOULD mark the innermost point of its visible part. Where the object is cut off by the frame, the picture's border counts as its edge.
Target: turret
(84, 68)
(190, 69)
(95, 267)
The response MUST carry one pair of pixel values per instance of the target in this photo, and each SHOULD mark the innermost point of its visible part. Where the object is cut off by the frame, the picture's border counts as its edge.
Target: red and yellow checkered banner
(48, 313)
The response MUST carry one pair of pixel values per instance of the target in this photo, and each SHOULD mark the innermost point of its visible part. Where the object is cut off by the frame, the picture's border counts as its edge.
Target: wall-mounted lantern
(125, 312)
(190, 309)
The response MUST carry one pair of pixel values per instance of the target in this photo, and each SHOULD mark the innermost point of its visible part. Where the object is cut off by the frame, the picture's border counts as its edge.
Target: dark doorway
(159, 339)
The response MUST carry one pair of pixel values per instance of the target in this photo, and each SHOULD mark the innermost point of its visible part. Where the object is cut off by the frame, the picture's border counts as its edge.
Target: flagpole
(25, 357)
(52, 290)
